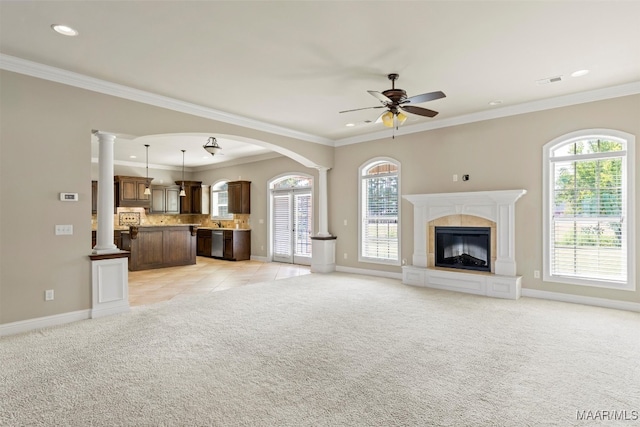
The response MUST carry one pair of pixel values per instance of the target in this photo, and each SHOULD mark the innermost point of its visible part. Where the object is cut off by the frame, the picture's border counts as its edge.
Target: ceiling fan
(396, 103)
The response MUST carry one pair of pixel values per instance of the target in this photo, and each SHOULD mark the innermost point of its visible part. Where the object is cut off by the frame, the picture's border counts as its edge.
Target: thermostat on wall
(69, 197)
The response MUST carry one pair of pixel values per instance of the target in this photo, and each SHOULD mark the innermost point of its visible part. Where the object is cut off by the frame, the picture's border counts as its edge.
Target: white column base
(109, 284)
(323, 254)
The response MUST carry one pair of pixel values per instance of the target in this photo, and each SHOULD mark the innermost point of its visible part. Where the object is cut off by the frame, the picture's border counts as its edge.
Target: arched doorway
(291, 218)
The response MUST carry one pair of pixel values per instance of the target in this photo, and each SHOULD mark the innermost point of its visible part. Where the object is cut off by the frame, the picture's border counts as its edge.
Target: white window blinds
(379, 213)
(588, 226)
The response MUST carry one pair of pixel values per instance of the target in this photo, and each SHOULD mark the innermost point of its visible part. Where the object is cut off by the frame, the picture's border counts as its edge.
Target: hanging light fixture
(212, 146)
(182, 192)
(387, 119)
(147, 190)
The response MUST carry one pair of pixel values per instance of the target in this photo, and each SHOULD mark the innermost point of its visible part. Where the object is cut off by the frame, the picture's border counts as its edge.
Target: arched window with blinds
(588, 210)
(379, 231)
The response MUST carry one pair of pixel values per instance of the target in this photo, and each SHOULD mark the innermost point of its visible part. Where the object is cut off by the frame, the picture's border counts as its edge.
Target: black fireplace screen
(467, 248)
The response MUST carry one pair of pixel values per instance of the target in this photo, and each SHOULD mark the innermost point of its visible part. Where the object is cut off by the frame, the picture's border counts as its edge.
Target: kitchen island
(159, 246)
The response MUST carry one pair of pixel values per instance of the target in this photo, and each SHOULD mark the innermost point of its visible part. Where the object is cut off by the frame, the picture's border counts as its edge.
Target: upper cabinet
(130, 191)
(239, 197)
(191, 203)
(165, 199)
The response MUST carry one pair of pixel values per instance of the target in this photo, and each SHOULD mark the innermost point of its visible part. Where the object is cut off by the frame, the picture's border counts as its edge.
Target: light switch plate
(64, 230)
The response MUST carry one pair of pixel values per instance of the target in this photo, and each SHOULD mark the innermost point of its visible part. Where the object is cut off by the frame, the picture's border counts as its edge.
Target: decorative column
(104, 234)
(323, 245)
(109, 265)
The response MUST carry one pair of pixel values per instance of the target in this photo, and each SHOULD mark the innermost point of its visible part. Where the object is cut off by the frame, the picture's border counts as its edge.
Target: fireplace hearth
(465, 248)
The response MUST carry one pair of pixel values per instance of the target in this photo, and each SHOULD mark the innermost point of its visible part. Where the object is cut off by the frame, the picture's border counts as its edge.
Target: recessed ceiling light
(133, 157)
(350, 125)
(65, 30)
(496, 102)
(579, 73)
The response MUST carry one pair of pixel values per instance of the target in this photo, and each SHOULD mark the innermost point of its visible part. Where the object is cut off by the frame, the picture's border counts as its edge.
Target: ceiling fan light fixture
(402, 118)
(387, 119)
(212, 146)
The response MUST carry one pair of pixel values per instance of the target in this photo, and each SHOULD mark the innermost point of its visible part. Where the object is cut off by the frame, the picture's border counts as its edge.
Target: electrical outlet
(345, 222)
(345, 255)
(262, 248)
(536, 274)
(455, 177)
(48, 295)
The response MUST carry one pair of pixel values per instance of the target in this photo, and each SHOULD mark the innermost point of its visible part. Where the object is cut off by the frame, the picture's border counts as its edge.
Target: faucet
(218, 223)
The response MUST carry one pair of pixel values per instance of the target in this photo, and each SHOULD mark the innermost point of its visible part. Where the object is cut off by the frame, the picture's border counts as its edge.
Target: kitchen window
(220, 201)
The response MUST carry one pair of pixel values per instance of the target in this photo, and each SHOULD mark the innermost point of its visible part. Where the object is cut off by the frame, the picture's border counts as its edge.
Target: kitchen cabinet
(191, 203)
(203, 247)
(239, 197)
(94, 197)
(165, 199)
(236, 244)
(129, 191)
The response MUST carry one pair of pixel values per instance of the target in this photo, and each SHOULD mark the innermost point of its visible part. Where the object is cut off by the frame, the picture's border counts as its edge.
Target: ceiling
(295, 65)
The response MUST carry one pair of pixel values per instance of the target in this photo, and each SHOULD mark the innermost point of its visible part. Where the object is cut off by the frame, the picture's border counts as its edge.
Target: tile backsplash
(138, 216)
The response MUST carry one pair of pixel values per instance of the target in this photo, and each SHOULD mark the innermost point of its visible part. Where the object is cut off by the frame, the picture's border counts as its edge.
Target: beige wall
(45, 149)
(498, 154)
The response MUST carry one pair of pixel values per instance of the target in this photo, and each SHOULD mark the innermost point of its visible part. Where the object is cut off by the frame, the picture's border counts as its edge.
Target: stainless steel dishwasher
(217, 243)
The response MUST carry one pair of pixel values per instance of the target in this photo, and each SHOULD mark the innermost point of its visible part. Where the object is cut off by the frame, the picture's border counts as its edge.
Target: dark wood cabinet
(203, 247)
(165, 200)
(191, 203)
(94, 197)
(239, 197)
(236, 247)
(129, 191)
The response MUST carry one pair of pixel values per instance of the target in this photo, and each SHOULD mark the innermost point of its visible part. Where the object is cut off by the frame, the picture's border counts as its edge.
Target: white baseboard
(366, 272)
(577, 299)
(43, 322)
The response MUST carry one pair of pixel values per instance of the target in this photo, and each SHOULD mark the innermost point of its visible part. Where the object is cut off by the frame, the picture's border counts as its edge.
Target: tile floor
(207, 275)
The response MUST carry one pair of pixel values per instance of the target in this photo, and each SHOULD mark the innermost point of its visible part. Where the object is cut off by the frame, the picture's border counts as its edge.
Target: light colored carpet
(327, 350)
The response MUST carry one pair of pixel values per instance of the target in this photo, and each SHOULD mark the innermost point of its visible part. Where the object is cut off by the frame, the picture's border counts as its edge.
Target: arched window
(588, 209)
(220, 201)
(379, 229)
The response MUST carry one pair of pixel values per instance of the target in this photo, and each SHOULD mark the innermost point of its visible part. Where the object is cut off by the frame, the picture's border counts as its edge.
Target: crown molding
(34, 69)
(527, 107)
(58, 75)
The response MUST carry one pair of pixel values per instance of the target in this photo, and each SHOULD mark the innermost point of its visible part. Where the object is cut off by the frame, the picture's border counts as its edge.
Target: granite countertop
(224, 228)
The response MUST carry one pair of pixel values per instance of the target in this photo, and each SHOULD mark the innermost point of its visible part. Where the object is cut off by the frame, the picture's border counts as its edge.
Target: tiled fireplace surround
(495, 209)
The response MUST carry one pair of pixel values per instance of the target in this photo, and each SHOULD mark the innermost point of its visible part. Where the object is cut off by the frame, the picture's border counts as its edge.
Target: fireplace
(479, 209)
(465, 248)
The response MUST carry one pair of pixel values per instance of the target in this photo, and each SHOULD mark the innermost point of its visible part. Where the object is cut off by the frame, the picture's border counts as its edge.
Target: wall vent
(550, 80)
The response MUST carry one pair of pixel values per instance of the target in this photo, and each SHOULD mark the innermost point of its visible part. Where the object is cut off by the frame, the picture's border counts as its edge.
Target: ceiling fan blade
(420, 111)
(382, 98)
(418, 99)
(358, 109)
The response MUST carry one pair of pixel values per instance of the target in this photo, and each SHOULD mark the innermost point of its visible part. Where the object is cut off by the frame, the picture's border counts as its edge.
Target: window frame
(628, 186)
(361, 201)
(221, 182)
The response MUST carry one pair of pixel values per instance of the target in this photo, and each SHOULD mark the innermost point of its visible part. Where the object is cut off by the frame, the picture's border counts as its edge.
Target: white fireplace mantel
(497, 206)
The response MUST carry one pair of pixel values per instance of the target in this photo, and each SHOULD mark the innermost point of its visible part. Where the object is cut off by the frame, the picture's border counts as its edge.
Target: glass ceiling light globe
(212, 146)
(387, 119)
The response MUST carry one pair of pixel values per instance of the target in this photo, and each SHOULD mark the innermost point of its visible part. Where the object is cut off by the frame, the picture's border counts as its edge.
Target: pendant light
(212, 146)
(182, 192)
(147, 190)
